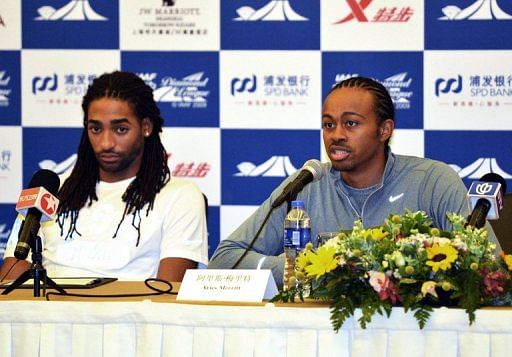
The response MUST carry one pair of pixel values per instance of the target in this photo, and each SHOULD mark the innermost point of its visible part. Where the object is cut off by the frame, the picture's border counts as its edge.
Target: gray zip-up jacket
(408, 183)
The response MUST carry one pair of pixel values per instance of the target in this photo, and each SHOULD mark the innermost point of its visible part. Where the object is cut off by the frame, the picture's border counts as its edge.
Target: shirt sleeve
(184, 231)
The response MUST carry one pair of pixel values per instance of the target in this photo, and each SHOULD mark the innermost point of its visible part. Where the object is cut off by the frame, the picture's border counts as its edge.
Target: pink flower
(494, 282)
(383, 286)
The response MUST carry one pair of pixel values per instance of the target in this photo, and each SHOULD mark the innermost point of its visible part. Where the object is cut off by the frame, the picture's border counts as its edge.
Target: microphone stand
(36, 272)
(292, 197)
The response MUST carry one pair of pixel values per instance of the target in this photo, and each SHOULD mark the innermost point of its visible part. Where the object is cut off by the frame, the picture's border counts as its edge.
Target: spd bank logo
(274, 90)
(475, 90)
(5, 162)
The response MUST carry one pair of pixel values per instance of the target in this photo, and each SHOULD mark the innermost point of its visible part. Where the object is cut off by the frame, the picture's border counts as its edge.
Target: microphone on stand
(37, 204)
(311, 171)
(486, 199)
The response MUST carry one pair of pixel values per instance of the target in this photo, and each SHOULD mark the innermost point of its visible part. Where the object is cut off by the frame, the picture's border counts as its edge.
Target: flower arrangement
(405, 262)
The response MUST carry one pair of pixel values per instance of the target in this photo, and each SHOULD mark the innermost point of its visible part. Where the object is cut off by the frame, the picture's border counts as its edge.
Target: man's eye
(351, 123)
(94, 129)
(328, 125)
(121, 130)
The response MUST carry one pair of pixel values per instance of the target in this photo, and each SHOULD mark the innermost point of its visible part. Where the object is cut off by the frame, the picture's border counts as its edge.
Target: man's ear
(386, 129)
(147, 127)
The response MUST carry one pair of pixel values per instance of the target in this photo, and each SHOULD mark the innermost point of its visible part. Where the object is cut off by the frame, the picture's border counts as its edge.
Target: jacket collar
(335, 175)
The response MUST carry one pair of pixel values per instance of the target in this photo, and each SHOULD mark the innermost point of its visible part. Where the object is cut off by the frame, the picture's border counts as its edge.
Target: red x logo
(357, 11)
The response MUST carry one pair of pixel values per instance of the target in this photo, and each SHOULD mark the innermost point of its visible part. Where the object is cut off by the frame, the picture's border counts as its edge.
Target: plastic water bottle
(297, 233)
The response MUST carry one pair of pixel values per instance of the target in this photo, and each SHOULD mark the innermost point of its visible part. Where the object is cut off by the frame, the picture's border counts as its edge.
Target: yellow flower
(429, 287)
(507, 258)
(323, 261)
(301, 261)
(441, 256)
(378, 234)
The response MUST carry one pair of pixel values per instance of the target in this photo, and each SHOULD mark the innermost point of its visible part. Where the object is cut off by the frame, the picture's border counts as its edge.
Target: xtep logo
(481, 167)
(479, 10)
(274, 10)
(2, 23)
(383, 14)
(242, 85)
(190, 169)
(453, 85)
(75, 10)
(276, 166)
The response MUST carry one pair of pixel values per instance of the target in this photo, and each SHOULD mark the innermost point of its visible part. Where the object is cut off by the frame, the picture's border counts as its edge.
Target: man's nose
(339, 133)
(107, 140)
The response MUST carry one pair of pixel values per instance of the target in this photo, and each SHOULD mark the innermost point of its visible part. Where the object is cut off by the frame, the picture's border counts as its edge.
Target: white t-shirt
(175, 227)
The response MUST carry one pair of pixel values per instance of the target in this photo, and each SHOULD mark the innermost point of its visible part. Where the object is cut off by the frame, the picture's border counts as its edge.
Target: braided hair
(80, 188)
(382, 102)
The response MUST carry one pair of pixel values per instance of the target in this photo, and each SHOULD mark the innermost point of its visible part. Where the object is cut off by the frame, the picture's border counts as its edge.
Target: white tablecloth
(40, 328)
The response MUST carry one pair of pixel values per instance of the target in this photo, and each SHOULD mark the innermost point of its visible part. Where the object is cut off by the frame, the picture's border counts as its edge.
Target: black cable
(146, 282)
(8, 271)
(253, 240)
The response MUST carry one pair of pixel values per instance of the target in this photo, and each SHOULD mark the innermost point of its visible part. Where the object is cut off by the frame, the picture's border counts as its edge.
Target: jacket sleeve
(268, 246)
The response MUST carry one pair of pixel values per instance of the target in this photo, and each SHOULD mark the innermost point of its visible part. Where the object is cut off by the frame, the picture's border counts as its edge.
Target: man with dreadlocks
(363, 180)
(120, 213)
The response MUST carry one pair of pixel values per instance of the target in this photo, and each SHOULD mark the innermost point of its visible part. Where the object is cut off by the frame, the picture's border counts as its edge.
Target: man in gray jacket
(364, 180)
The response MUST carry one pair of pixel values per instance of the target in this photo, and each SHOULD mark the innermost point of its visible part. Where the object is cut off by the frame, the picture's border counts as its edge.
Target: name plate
(227, 285)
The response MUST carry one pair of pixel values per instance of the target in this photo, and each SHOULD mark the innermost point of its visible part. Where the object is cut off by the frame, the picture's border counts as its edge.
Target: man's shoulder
(178, 184)
(404, 162)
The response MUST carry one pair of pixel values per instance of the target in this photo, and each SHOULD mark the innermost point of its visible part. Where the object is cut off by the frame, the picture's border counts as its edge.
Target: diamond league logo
(274, 10)
(479, 10)
(75, 10)
(396, 84)
(276, 166)
(4, 92)
(391, 13)
(479, 168)
(187, 92)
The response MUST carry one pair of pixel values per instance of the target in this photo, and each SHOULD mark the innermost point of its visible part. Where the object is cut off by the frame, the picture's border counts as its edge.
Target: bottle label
(297, 238)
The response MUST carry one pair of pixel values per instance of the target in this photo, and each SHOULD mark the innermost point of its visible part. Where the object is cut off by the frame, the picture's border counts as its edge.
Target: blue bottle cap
(298, 203)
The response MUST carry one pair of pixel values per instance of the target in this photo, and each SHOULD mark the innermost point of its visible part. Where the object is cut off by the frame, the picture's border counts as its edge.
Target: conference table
(162, 326)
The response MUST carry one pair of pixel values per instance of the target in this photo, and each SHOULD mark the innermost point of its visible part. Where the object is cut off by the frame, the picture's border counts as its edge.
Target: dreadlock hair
(382, 103)
(80, 188)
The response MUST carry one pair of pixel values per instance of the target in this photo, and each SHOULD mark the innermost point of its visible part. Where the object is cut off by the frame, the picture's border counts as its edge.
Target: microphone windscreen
(47, 179)
(494, 177)
(315, 167)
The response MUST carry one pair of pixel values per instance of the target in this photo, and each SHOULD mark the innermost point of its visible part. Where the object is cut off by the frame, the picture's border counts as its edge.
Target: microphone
(38, 204)
(311, 171)
(486, 199)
